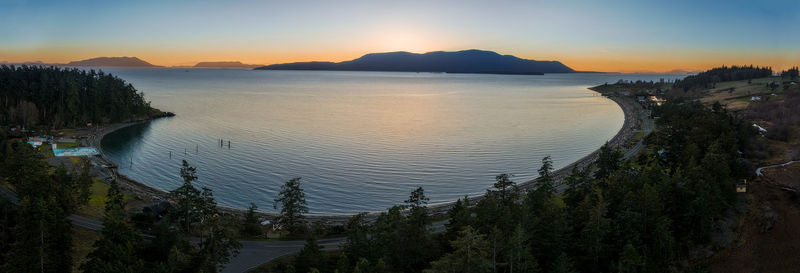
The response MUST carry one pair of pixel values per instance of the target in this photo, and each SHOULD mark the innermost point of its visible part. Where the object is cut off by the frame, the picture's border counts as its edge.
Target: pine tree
(292, 202)
(545, 180)
(362, 266)
(594, 231)
(630, 261)
(310, 256)
(520, 258)
(608, 161)
(414, 249)
(217, 241)
(188, 200)
(251, 225)
(459, 216)
(470, 254)
(359, 241)
(43, 238)
(117, 249)
(562, 264)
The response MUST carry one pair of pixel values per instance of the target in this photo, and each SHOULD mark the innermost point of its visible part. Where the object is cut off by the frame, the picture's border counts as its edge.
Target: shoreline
(150, 194)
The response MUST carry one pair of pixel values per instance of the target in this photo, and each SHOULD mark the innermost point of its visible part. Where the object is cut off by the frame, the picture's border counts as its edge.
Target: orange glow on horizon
(635, 62)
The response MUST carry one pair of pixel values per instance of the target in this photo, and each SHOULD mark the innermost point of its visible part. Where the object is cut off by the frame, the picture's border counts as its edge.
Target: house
(36, 141)
(657, 101)
(741, 187)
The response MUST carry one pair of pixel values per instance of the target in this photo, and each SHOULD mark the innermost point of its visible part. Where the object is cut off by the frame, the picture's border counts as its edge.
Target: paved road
(758, 171)
(256, 253)
(647, 128)
(251, 255)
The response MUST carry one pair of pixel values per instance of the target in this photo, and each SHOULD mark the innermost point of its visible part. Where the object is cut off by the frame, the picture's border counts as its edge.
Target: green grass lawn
(64, 145)
(759, 81)
(97, 201)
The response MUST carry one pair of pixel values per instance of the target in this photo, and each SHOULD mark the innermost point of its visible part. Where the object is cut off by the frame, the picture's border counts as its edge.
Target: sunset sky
(625, 36)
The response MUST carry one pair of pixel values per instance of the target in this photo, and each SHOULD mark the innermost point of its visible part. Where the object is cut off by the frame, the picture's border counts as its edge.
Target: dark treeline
(36, 236)
(708, 79)
(638, 215)
(791, 73)
(634, 87)
(63, 97)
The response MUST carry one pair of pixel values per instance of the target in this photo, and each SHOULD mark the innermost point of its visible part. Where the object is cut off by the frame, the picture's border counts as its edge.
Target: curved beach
(148, 193)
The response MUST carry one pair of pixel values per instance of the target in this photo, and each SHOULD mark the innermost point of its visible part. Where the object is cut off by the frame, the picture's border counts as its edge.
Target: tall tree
(545, 181)
(415, 249)
(520, 258)
(217, 240)
(470, 255)
(43, 238)
(608, 161)
(118, 248)
(562, 264)
(310, 257)
(459, 216)
(359, 240)
(188, 199)
(292, 201)
(251, 225)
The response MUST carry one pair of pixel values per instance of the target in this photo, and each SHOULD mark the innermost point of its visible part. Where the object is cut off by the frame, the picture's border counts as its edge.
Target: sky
(590, 35)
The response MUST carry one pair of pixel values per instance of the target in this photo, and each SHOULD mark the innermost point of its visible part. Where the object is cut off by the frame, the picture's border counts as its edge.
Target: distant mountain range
(466, 61)
(226, 64)
(112, 62)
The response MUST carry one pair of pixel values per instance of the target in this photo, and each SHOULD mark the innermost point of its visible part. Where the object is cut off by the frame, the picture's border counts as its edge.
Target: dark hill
(226, 64)
(112, 62)
(466, 61)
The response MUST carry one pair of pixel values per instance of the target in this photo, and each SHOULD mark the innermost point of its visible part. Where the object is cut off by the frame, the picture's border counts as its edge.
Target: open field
(97, 201)
(736, 95)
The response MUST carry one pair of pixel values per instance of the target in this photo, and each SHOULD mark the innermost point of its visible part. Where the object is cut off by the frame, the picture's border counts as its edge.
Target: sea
(359, 141)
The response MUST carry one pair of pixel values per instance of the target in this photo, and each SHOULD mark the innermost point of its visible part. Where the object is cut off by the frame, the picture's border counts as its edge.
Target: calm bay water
(361, 141)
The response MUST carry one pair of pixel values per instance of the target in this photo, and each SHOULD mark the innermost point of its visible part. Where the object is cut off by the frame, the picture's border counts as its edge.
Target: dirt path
(768, 238)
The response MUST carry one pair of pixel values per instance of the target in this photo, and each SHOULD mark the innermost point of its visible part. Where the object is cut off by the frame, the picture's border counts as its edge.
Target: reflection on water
(126, 140)
(361, 141)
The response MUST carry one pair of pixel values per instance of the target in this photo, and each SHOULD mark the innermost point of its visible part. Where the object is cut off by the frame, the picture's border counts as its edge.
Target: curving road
(251, 255)
(647, 128)
(758, 171)
(256, 253)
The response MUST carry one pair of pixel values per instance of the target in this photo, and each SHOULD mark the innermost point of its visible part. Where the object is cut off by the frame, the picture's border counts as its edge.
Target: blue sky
(587, 35)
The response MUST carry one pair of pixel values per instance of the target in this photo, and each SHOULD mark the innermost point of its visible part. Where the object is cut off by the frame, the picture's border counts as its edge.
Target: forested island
(68, 97)
(465, 61)
(112, 62)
